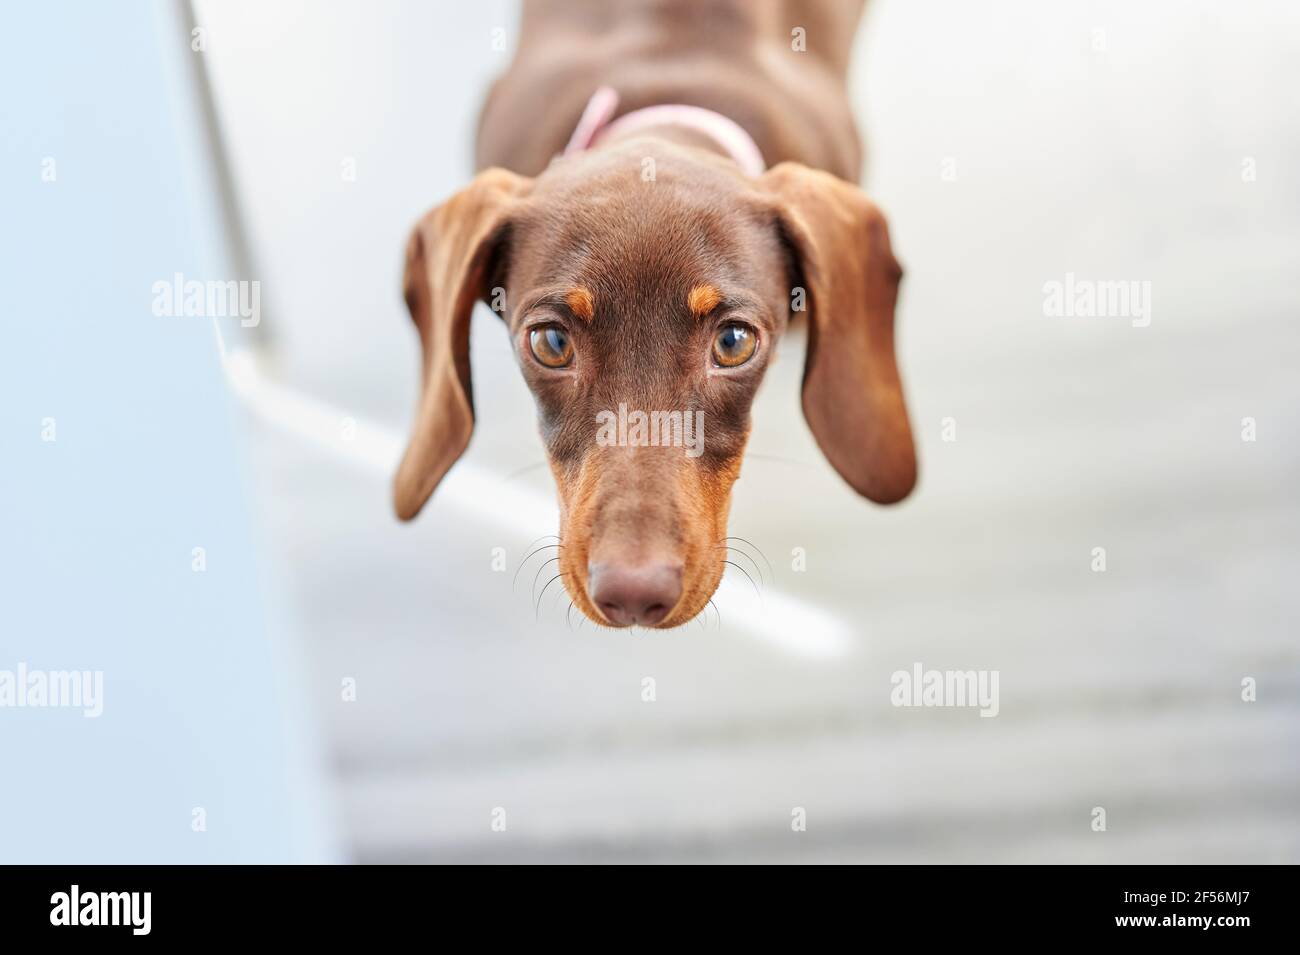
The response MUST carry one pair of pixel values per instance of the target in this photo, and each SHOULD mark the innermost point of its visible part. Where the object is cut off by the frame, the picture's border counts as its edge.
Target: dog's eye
(551, 346)
(734, 345)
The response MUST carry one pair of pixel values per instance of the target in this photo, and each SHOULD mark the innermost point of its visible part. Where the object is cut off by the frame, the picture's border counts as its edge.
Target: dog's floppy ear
(447, 266)
(852, 396)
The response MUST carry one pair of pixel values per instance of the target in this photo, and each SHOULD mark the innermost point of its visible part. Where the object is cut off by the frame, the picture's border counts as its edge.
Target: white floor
(1009, 147)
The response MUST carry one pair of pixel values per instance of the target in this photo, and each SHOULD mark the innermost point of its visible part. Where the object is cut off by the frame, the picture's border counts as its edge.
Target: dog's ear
(852, 396)
(448, 262)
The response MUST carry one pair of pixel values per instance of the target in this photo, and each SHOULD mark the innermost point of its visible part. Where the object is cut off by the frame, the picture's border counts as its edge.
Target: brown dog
(650, 269)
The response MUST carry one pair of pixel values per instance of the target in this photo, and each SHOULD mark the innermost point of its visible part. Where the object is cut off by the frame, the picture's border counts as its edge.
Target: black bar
(334, 904)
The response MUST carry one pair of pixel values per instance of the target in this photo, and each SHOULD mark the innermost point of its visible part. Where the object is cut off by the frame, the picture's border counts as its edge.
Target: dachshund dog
(665, 186)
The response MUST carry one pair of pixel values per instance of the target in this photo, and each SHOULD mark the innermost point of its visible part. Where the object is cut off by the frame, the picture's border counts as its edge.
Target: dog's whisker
(757, 592)
(538, 575)
(524, 470)
(568, 617)
(560, 594)
(749, 544)
(526, 559)
(537, 611)
(716, 611)
(743, 540)
(740, 553)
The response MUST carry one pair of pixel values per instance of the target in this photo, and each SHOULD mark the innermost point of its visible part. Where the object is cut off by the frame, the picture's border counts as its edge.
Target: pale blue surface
(200, 702)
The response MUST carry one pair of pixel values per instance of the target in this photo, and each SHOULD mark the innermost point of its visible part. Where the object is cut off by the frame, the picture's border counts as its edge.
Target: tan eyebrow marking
(703, 299)
(581, 303)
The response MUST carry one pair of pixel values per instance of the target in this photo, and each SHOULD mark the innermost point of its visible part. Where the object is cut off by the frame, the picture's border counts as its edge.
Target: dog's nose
(627, 595)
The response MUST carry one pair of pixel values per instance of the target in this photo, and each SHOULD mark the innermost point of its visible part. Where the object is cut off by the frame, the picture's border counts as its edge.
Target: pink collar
(727, 133)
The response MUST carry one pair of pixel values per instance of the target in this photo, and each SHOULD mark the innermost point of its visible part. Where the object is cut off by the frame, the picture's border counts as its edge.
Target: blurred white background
(1009, 144)
(128, 548)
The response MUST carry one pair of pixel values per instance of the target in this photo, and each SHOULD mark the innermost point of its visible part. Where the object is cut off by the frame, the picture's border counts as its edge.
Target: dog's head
(645, 287)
